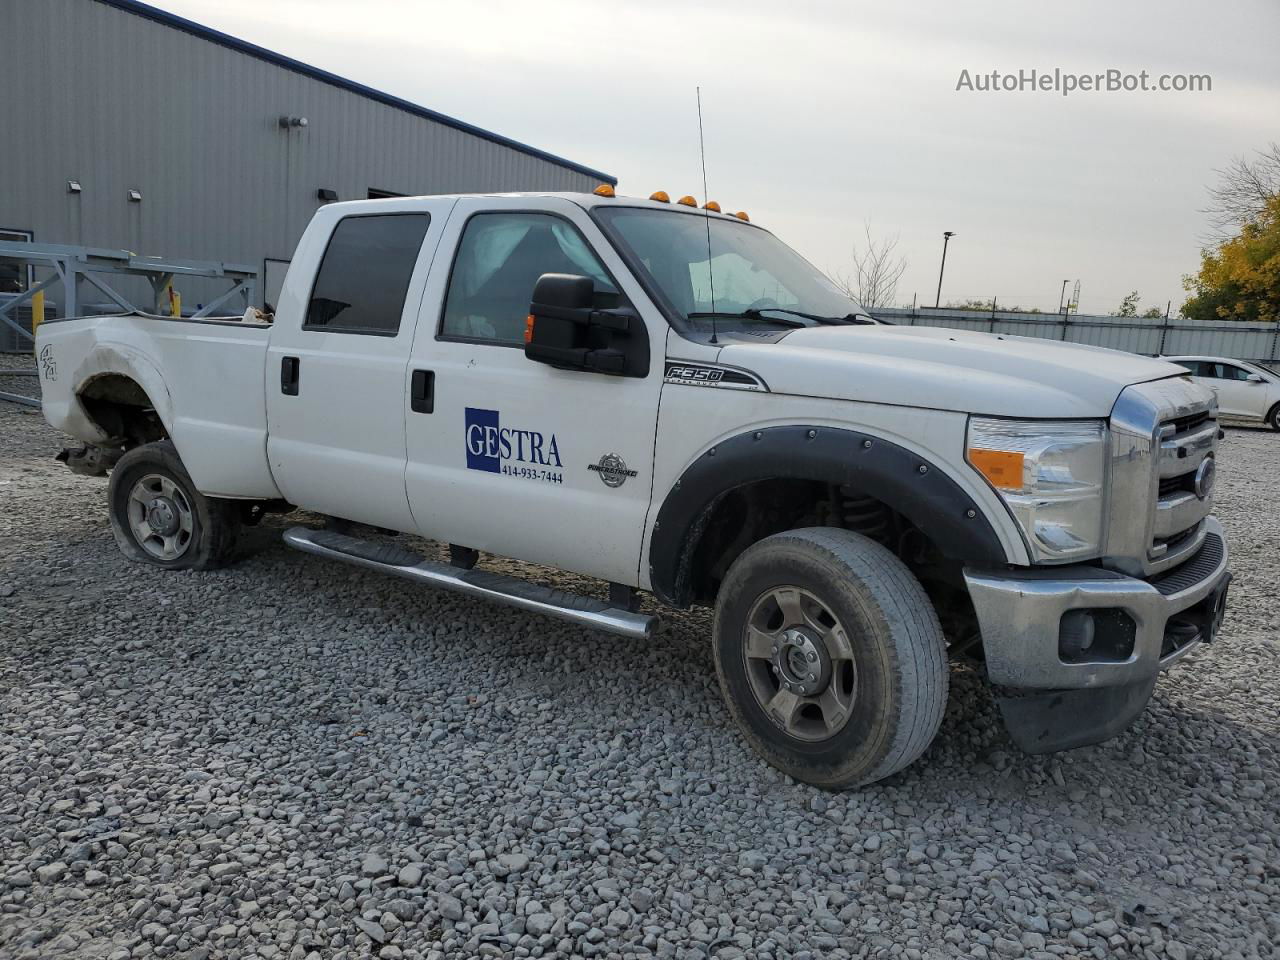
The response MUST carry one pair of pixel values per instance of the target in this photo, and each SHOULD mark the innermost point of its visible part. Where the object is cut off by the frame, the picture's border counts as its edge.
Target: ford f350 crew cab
(671, 400)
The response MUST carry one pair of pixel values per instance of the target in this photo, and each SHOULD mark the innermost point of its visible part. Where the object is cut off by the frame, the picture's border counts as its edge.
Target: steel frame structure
(71, 264)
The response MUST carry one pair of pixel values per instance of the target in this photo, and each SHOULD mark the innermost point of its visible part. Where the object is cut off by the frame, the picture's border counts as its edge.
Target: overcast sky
(822, 115)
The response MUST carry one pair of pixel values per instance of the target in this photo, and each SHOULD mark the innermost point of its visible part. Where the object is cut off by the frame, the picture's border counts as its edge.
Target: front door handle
(289, 369)
(422, 391)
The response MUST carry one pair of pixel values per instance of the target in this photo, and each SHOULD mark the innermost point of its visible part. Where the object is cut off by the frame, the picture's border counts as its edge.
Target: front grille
(1177, 540)
(1185, 442)
(1185, 483)
(1161, 433)
(1189, 422)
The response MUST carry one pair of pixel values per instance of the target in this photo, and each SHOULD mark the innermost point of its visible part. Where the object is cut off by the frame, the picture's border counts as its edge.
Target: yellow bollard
(175, 302)
(37, 311)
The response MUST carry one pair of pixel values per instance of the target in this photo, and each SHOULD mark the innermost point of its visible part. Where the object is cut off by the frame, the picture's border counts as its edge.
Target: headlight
(1051, 475)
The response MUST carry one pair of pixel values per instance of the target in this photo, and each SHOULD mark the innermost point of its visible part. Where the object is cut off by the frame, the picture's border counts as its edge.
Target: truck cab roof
(588, 201)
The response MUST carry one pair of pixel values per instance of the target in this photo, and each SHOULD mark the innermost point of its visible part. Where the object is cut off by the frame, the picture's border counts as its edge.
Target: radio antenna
(706, 213)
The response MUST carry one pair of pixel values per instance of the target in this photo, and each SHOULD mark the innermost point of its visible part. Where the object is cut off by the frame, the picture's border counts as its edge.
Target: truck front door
(336, 365)
(514, 457)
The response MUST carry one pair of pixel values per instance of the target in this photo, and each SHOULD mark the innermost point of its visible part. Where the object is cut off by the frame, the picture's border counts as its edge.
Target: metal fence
(1151, 336)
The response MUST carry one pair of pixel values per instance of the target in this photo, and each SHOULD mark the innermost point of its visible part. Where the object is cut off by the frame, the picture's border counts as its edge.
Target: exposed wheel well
(122, 410)
(748, 513)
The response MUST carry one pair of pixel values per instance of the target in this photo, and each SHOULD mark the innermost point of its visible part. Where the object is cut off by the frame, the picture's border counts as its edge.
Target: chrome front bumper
(1020, 616)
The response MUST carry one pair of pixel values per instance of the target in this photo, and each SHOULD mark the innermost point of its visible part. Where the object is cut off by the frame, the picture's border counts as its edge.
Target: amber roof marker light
(712, 206)
(688, 201)
(661, 196)
(604, 190)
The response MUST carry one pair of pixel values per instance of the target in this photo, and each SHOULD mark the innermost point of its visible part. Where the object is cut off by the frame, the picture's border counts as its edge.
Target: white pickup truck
(671, 400)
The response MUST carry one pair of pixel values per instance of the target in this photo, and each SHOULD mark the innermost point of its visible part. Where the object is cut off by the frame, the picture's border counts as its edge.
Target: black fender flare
(899, 478)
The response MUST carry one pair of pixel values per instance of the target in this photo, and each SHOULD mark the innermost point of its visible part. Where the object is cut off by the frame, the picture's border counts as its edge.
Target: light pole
(1063, 296)
(946, 237)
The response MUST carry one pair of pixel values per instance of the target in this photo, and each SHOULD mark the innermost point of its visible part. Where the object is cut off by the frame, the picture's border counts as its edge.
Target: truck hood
(947, 369)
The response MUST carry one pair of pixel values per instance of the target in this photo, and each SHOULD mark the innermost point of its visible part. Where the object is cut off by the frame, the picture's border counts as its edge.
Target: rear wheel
(158, 516)
(830, 657)
(1273, 417)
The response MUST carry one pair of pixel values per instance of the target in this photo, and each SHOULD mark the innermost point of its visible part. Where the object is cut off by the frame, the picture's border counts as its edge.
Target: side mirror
(565, 330)
(1256, 378)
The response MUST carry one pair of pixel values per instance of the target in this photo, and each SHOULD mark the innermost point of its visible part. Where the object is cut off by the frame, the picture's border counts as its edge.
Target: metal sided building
(133, 129)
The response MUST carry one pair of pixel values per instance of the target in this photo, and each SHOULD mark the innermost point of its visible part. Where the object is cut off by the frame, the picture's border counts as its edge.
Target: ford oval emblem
(1205, 476)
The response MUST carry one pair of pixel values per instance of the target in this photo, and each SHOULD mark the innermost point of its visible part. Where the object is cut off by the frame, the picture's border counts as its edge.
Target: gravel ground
(293, 758)
(22, 386)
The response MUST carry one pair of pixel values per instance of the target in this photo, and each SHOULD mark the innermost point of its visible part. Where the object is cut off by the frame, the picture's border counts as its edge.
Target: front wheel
(830, 657)
(1273, 418)
(159, 517)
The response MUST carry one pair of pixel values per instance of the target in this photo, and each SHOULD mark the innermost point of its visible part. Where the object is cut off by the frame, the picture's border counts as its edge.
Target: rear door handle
(422, 391)
(289, 369)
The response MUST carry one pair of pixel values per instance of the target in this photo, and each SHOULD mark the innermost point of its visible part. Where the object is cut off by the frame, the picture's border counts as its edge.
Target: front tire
(830, 657)
(159, 517)
(1273, 418)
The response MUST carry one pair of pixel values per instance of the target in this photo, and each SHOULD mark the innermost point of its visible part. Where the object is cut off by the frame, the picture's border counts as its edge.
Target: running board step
(397, 561)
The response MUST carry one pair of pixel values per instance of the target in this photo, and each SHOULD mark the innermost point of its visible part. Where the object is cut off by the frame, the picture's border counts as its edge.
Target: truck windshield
(756, 278)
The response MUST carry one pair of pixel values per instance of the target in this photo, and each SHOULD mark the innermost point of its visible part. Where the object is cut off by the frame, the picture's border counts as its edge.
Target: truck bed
(204, 379)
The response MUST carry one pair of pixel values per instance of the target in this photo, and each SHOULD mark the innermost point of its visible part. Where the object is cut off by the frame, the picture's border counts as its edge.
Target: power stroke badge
(612, 469)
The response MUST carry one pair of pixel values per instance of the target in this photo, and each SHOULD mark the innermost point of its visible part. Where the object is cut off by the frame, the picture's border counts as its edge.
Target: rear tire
(159, 517)
(830, 657)
(1273, 418)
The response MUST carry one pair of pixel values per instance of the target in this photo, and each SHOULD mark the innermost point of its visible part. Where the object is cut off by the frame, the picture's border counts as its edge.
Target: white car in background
(1244, 389)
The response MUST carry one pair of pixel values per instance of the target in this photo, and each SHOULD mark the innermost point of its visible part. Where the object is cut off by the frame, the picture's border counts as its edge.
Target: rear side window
(364, 275)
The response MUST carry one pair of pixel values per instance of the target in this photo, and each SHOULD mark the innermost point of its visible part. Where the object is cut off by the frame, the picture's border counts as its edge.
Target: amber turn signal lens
(604, 190)
(661, 196)
(742, 215)
(528, 329)
(1003, 469)
(688, 201)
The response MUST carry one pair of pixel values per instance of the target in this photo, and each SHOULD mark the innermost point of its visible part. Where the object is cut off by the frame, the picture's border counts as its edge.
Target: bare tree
(1244, 187)
(876, 271)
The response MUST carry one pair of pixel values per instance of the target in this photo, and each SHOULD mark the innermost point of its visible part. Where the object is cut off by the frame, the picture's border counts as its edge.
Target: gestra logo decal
(516, 452)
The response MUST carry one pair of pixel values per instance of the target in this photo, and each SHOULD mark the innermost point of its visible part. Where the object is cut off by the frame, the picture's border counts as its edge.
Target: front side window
(500, 258)
(739, 272)
(364, 275)
(1231, 372)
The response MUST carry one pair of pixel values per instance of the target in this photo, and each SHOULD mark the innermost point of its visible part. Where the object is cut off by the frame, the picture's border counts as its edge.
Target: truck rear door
(515, 457)
(337, 362)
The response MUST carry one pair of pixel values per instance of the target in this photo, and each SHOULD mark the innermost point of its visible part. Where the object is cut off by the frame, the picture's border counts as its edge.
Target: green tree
(1240, 280)
(1129, 305)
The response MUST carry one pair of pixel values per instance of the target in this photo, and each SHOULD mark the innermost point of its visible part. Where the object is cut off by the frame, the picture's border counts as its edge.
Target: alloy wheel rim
(160, 517)
(799, 663)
